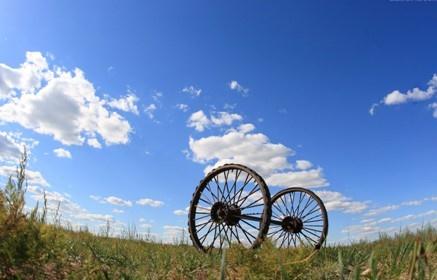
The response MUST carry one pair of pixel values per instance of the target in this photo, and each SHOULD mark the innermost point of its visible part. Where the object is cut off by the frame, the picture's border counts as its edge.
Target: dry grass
(30, 248)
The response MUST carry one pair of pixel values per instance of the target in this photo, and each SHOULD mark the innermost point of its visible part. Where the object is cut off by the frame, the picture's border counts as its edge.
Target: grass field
(30, 248)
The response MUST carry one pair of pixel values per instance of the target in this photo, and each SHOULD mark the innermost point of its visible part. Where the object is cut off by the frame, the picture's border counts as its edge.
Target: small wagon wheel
(299, 219)
(230, 205)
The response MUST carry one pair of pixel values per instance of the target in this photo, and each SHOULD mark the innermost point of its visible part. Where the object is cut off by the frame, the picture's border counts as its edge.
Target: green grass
(30, 248)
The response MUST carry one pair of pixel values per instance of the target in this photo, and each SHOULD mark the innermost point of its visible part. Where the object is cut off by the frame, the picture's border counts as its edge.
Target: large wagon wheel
(230, 205)
(299, 219)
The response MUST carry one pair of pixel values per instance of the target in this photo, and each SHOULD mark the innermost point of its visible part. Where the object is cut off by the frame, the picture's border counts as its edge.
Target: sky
(124, 106)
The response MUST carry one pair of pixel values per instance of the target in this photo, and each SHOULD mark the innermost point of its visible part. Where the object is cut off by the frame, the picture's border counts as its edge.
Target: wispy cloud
(183, 107)
(236, 86)
(192, 91)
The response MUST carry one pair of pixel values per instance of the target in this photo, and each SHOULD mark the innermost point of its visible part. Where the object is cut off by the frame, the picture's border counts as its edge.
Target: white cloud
(149, 202)
(58, 102)
(412, 203)
(369, 227)
(199, 121)
(396, 97)
(387, 208)
(156, 96)
(112, 200)
(12, 146)
(62, 153)
(117, 211)
(70, 211)
(303, 164)
(127, 103)
(305, 179)
(150, 111)
(27, 78)
(433, 106)
(240, 146)
(234, 85)
(117, 201)
(255, 150)
(337, 201)
(93, 142)
(32, 177)
(183, 107)
(192, 90)
(181, 212)
(378, 211)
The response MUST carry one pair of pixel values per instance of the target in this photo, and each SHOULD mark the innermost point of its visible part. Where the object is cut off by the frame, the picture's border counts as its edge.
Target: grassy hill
(32, 249)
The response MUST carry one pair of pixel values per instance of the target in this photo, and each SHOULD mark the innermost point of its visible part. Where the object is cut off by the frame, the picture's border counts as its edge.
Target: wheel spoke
(246, 233)
(203, 224)
(206, 234)
(308, 238)
(313, 210)
(254, 227)
(273, 233)
(285, 205)
(240, 191)
(247, 196)
(280, 210)
(306, 205)
(226, 175)
(213, 194)
(206, 201)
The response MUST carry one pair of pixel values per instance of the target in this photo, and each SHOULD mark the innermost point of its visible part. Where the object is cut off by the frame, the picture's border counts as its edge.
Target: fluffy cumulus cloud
(192, 90)
(127, 103)
(200, 121)
(306, 179)
(58, 102)
(303, 164)
(62, 153)
(234, 85)
(150, 202)
(242, 145)
(397, 97)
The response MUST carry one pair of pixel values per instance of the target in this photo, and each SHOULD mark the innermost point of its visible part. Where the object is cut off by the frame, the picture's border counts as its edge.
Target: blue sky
(301, 76)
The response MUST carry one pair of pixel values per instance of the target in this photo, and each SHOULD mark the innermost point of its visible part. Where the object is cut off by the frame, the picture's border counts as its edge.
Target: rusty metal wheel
(230, 205)
(299, 219)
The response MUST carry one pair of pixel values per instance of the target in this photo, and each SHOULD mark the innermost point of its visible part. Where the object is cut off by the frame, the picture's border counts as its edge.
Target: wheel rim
(231, 205)
(299, 219)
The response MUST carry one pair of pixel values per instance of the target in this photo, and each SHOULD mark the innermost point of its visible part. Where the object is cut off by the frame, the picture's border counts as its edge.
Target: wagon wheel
(230, 205)
(299, 219)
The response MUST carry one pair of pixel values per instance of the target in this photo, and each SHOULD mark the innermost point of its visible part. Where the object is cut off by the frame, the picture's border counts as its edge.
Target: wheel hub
(225, 213)
(292, 224)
